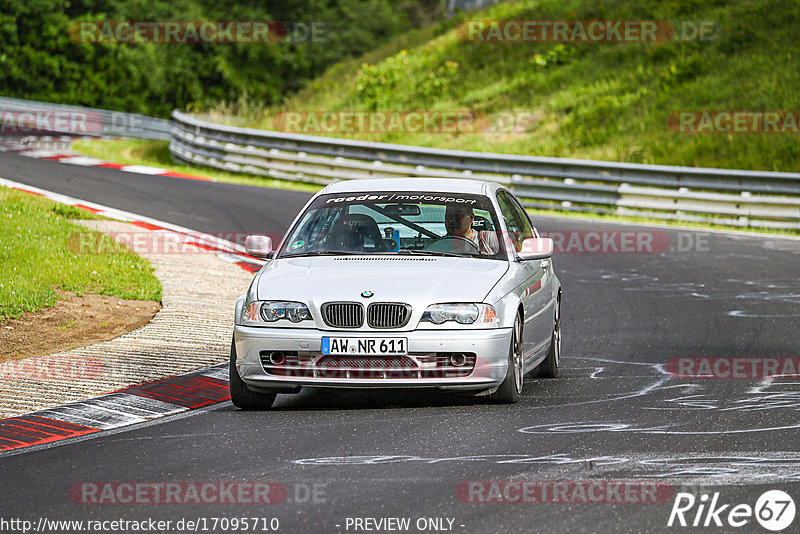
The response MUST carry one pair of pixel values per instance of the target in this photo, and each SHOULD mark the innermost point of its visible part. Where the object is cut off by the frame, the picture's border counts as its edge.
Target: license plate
(365, 346)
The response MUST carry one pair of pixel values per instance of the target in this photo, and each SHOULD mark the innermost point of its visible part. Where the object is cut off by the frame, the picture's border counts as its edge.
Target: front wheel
(549, 367)
(242, 396)
(510, 390)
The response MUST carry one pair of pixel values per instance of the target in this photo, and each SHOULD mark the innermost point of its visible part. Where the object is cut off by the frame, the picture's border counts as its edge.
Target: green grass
(606, 101)
(39, 258)
(157, 154)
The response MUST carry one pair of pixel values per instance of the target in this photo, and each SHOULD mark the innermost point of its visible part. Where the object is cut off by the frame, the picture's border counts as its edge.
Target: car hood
(411, 279)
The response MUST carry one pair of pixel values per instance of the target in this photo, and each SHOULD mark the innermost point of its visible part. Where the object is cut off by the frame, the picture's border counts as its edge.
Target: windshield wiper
(326, 253)
(382, 253)
(432, 253)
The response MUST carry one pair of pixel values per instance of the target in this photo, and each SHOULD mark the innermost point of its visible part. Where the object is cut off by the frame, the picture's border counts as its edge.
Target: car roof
(439, 185)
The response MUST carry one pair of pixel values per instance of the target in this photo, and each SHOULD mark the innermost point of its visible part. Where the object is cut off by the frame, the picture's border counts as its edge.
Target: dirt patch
(127, 154)
(73, 322)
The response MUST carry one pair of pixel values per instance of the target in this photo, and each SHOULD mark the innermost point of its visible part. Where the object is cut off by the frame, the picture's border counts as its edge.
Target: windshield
(442, 224)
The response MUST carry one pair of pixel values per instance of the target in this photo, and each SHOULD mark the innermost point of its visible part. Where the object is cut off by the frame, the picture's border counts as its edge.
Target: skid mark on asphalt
(646, 387)
(757, 297)
(726, 467)
(723, 468)
(670, 429)
(773, 402)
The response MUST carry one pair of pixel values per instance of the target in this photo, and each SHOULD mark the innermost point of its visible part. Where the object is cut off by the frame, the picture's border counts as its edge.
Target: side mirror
(536, 248)
(259, 246)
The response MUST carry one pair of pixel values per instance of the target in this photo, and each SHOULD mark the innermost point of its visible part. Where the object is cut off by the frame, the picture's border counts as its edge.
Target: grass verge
(39, 260)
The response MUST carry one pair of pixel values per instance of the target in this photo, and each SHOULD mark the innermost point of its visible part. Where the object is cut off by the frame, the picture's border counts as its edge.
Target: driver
(458, 221)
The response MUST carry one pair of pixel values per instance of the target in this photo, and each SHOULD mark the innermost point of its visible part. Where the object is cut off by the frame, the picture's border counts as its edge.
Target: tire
(534, 373)
(242, 396)
(510, 391)
(549, 367)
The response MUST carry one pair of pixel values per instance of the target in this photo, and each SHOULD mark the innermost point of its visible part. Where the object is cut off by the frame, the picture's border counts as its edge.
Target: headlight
(274, 310)
(460, 313)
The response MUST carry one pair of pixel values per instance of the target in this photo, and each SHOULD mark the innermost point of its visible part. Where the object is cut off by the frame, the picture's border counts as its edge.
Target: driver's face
(458, 220)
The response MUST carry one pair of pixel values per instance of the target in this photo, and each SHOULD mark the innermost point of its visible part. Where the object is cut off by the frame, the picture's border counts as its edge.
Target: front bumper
(489, 346)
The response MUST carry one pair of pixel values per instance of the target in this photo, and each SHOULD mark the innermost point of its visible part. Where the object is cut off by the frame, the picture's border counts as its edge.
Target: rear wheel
(549, 367)
(510, 390)
(242, 396)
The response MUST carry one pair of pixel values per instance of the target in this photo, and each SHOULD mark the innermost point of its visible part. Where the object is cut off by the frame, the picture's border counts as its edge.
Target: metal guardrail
(467, 5)
(43, 119)
(723, 196)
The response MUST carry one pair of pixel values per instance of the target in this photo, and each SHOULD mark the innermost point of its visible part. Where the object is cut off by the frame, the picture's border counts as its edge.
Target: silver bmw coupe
(408, 283)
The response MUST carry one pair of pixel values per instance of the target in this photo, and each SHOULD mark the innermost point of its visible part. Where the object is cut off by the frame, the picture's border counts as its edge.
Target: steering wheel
(438, 244)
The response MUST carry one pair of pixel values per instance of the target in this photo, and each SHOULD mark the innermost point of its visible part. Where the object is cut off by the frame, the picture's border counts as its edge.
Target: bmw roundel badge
(367, 294)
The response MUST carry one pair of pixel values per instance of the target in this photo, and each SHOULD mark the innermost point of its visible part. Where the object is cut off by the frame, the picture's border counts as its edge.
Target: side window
(527, 230)
(517, 224)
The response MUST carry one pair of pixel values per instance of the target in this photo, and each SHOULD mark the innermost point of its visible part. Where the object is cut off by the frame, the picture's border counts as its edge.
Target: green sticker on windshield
(298, 244)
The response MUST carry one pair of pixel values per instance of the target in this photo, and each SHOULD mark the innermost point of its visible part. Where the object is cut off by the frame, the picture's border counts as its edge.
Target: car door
(535, 279)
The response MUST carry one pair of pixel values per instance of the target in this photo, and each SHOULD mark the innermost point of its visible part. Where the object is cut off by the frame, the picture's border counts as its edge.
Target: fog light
(458, 359)
(277, 358)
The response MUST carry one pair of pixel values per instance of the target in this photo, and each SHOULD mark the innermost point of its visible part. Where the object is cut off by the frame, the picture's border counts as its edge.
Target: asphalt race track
(614, 414)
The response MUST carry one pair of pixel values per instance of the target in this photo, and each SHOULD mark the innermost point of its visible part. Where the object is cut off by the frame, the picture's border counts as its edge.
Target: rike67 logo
(774, 510)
